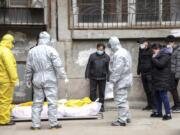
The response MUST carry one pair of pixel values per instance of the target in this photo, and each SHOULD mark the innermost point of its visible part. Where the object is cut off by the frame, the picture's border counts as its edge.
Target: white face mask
(142, 46)
(100, 52)
(169, 46)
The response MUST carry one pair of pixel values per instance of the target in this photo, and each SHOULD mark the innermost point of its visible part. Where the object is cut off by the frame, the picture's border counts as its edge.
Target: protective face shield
(100, 52)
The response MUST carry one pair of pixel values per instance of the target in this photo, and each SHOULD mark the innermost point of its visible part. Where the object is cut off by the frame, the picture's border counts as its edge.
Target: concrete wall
(78, 44)
(79, 53)
(75, 46)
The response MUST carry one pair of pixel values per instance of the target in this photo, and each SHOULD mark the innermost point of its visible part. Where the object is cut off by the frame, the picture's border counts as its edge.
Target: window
(22, 3)
(89, 11)
(125, 13)
(115, 10)
(157, 10)
(102, 10)
(171, 10)
(147, 10)
(19, 3)
(22, 12)
(2, 3)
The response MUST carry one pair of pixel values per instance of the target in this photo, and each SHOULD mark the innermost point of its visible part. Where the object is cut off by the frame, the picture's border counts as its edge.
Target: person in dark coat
(161, 76)
(144, 69)
(175, 71)
(97, 71)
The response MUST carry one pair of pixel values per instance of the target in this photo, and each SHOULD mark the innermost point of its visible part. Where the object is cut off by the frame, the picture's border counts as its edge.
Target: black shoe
(56, 127)
(128, 121)
(167, 117)
(148, 108)
(11, 123)
(102, 109)
(175, 109)
(35, 128)
(118, 123)
(156, 115)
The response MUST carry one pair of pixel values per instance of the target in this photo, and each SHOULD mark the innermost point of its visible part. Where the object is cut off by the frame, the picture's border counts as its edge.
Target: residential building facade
(78, 25)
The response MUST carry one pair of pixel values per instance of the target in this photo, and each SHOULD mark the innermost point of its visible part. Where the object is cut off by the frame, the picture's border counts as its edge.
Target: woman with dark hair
(161, 76)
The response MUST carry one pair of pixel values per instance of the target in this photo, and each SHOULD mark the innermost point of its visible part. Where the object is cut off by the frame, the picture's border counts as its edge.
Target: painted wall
(75, 47)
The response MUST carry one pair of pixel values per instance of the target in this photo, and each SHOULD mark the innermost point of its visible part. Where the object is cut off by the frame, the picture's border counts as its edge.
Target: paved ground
(141, 125)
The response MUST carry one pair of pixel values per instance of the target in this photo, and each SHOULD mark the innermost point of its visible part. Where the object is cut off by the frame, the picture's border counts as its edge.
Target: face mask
(100, 52)
(169, 46)
(142, 46)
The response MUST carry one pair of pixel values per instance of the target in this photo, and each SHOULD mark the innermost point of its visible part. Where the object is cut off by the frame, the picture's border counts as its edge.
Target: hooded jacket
(44, 65)
(144, 61)
(161, 72)
(8, 67)
(120, 65)
(175, 62)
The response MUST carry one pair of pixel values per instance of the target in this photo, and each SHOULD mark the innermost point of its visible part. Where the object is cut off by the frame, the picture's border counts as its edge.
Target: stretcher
(67, 110)
(98, 116)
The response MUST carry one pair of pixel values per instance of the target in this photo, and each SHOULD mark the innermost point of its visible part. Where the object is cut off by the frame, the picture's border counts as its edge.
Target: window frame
(29, 4)
(19, 6)
(131, 21)
(75, 9)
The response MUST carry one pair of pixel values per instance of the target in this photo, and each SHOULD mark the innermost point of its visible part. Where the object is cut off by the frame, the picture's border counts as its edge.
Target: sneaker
(56, 127)
(11, 123)
(35, 128)
(167, 117)
(118, 123)
(147, 108)
(156, 115)
(176, 109)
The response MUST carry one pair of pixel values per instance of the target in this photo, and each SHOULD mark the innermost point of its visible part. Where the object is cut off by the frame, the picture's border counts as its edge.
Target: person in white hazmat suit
(43, 68)
(121, 78)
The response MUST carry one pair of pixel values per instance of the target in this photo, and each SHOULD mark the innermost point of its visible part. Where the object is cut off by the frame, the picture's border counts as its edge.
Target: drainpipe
(57, 22)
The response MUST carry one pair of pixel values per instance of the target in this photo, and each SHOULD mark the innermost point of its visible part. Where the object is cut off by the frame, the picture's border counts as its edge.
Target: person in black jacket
(161, 76)
(97, 71)
(175, 71)
(144, 69)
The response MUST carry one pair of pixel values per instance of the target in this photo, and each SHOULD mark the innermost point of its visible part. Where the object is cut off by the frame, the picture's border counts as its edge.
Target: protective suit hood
(114, 44)
(7, 41)
(44, 38)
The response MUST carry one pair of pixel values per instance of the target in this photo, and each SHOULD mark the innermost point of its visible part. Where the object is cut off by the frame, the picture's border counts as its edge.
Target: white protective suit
(120, 77)
(43, 68)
